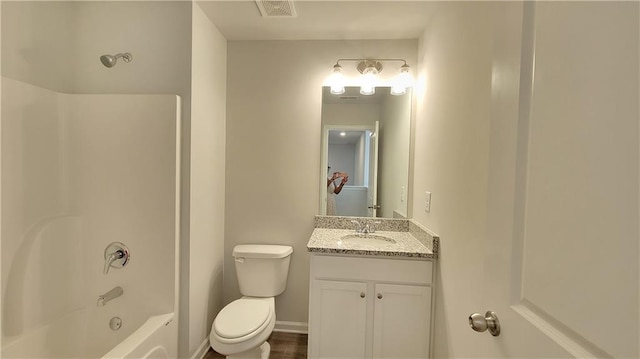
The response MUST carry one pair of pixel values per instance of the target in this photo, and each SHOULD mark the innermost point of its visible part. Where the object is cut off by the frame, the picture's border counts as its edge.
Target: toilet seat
(231, 335)
(243, 322)
(242, 319)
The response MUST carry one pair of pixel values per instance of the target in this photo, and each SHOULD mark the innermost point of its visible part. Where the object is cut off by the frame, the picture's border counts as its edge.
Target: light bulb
(336, 80)
(403, 81)
(369, 80)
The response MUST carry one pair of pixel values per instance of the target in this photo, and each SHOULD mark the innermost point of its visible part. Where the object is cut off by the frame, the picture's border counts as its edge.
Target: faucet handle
(358, 227)
(116, 255)
(372, 226)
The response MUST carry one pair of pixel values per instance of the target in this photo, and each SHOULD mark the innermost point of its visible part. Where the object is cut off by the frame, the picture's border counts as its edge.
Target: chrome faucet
(116, 255)
(365, 227)
(110, 258)
(109, 296)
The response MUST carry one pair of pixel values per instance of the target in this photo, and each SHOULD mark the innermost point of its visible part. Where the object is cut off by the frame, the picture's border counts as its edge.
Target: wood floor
(283, 346)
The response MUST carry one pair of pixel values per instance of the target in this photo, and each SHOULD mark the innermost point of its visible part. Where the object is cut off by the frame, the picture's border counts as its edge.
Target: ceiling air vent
(276, 8)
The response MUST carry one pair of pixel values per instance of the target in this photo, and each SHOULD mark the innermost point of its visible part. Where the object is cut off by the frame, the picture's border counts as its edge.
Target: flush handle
(481, 323)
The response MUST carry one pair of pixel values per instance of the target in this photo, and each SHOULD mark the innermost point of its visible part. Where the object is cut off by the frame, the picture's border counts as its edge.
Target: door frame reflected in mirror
(363, 181)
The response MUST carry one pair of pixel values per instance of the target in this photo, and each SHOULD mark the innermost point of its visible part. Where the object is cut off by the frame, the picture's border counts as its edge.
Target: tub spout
(109, 296)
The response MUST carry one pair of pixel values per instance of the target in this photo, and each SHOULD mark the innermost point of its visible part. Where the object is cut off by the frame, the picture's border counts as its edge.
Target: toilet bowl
(242, 328)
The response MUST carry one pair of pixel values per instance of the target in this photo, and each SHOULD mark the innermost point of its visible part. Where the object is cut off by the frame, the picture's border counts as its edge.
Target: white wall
(208, 118)
(352, 201)
(38, 43)
(342, 158)
(157, 34)
(273, 140)
(451, 154)
(350, 114)
(393, 161)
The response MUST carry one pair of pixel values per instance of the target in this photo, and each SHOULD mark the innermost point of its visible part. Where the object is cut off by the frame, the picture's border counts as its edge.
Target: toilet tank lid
(261, 251)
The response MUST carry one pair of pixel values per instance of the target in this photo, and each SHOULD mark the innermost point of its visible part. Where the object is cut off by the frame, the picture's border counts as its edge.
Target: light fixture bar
(371, 59)
(367, 64)
(370, 68)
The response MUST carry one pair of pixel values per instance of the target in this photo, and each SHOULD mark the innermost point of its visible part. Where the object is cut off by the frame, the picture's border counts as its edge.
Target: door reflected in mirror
(365, 153)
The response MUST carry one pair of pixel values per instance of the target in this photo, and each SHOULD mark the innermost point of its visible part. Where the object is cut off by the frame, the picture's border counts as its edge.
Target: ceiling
(322, 20)
(349, 137)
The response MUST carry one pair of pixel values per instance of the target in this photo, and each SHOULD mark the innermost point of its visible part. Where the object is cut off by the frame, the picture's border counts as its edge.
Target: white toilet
(241, 328)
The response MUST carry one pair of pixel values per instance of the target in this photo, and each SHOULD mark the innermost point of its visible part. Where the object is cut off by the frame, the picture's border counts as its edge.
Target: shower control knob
(116, 255)
(481, 323)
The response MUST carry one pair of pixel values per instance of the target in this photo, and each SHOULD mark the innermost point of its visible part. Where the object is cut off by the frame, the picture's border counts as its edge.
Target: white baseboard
(291, 327)
(202, 349)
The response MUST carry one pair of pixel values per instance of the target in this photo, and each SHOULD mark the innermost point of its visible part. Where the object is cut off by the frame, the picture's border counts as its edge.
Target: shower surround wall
(57, 45)
(81, 171)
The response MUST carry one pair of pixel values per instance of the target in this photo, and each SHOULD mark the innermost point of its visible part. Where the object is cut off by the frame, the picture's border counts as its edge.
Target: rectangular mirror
(365, 153)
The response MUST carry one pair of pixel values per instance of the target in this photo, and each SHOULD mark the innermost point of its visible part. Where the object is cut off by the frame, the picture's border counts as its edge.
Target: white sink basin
(367, 239)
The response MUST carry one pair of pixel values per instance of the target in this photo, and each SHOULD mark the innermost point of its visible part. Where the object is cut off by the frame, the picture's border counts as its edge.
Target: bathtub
(69, 337)
(71, 200)
(155, 339)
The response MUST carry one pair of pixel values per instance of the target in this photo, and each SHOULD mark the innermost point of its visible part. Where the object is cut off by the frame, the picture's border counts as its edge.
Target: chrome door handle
(489, 320)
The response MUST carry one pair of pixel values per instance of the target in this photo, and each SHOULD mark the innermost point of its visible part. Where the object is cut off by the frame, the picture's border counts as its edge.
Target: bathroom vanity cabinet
(369, 307)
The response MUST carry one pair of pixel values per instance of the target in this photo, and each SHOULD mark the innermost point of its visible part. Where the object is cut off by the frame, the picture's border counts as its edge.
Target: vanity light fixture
(370, 68)
(403, 81)
(337, 80)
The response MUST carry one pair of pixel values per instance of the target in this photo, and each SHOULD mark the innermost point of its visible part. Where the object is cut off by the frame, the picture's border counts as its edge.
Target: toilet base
(261, 352)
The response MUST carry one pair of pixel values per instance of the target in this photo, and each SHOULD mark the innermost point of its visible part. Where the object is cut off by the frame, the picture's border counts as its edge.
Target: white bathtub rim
(143, 333)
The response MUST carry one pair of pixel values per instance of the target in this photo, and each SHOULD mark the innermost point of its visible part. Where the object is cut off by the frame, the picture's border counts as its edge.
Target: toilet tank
(262, 269)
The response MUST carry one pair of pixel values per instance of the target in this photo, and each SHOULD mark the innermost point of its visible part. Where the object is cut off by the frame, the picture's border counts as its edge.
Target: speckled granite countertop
(330, 240)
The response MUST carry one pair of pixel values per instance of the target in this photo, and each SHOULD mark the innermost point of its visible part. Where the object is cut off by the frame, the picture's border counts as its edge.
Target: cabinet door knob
(379, 296)
(361, 294)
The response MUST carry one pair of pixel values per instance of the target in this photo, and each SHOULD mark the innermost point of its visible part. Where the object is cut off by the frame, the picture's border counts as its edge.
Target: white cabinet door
(338, 319)
(401, 324)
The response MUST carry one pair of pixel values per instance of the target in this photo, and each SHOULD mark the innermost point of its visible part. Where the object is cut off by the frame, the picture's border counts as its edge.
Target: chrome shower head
(110, 61)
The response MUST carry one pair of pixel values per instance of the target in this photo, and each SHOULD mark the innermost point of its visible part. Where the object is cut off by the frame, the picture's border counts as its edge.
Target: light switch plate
(427, 202)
